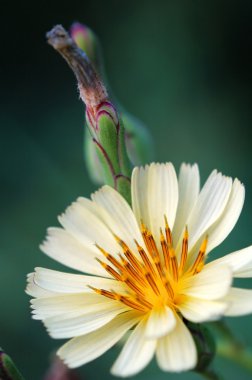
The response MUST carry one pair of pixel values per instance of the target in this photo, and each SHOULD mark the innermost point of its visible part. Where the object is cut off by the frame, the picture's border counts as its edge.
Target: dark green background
(183, 67)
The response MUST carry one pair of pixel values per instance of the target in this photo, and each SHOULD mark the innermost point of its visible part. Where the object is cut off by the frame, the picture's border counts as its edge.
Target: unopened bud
(8, 370)
(139, 144)
(86, 40)
(105, 126)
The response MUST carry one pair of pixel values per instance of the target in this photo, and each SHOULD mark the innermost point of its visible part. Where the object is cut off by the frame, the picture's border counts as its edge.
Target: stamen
(132, 271)
(133, 286)
(152, 283)
(145, 258)
(111, 258)
(197, 266)
(149, 240)
(165, 250)
(168, 232)
(174, 266)
(110, 270)
(103, 292)
(184, 251)
(134, 262)
(168, 287)
(128, 302)
(144, 302)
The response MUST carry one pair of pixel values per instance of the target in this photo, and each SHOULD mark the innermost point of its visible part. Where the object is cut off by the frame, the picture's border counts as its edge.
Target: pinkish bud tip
(78, 30)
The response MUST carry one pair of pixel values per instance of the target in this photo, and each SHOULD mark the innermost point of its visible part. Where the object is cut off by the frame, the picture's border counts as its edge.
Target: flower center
(153, 275)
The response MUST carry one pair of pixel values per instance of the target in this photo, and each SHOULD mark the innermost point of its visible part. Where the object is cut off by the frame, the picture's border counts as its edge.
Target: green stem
(229, 347)
(210, 374)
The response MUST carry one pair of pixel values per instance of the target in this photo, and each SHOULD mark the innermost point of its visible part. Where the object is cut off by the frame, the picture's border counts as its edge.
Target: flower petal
(189, 186)
(83, 349)
(64, 303)
(82, 220)
(155, 194)
(240, 262)
(176, 351)
(136, 353)
(66, 249)
(117, 215)
(162, 196)
(209, 206)
(139, 187)
(212, 283)
(83, 321)
(160, 322)
(36, 291)
(61, 282)
(224, 225)
(239, 302)
(198, 310)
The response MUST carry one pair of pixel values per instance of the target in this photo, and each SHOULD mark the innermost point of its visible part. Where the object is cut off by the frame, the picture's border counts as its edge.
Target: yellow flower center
(154, 277)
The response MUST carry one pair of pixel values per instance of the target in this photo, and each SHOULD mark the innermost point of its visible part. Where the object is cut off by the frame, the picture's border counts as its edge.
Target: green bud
(92, 160)
(8, 370)
(87, 41)
(105, 126)
(138, 140)
(108, 136)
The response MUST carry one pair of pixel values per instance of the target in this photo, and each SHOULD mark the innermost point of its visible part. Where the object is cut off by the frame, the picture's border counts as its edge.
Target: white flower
(148, 267)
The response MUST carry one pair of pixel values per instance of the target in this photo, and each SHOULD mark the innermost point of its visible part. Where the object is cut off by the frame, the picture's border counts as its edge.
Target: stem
(231, 348)
(210, 374)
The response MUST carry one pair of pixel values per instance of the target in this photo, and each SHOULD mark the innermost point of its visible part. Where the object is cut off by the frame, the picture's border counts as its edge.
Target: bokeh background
(183, 67)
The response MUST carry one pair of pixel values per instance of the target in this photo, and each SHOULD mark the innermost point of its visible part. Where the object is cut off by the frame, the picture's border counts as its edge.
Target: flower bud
(8, 370)
(138, 140)
(85, 40)
(105, 126)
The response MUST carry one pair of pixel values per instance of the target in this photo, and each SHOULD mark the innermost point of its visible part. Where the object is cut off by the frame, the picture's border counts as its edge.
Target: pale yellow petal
(63, 247)
(200, 310)
(84, 321)
(155, 194)
(136, 353)
(240, 262)
(117, 215)
(176, 352)
(209, 207)
(83, 349)
(239, 302)
(226, 222)
(189, 186)
(61, 282)
(160, 322)
(162, 196)
(85, 224)
(212, 283)
(65, 303)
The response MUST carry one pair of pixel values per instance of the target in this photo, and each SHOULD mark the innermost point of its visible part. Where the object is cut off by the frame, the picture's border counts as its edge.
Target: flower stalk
(104, 124)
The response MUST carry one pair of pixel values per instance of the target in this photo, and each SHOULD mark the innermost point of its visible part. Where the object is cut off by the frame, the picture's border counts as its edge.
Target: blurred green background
(183, 67)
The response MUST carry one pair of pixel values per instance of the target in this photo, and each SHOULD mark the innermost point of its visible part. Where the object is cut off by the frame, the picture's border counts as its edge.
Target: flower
(146, 268)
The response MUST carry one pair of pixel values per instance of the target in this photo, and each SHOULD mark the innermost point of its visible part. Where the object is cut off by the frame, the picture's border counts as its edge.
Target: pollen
(152, 275)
